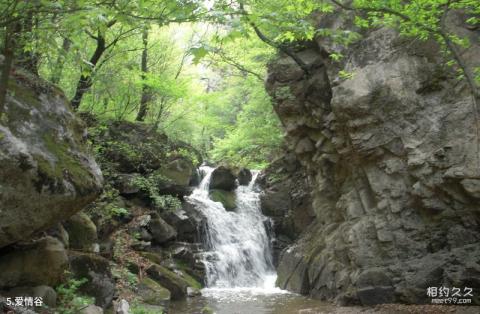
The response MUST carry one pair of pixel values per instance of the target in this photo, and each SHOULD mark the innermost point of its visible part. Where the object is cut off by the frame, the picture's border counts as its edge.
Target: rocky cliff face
(46, 172)
(392, 156)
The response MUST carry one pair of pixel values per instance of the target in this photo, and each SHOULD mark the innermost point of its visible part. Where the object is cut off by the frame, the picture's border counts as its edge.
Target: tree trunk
(8, 54)
(27, 58)
(85, 81)
(146, 94)
(58, 66)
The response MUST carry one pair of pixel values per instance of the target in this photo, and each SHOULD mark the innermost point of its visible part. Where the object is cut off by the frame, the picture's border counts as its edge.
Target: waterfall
(238, 250)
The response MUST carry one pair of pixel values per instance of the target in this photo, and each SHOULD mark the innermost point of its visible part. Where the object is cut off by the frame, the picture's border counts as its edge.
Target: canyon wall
(391, 150)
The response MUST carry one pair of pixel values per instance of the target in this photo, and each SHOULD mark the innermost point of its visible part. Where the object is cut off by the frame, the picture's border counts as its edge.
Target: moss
(66, 166)
(192, 282)
(227, 198)
(154, 258)
(152, 292)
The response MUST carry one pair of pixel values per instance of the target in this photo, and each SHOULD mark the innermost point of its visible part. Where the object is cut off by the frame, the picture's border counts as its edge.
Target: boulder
(179, 171)
(82, 232)
(184, 222)
(91, 309)
(59, 232)
(196, 177)
(153, 293)
(244, 176)
(46, 293)
(132, 147)
(122, 307)
(96, 270)
(161, 231)
(42, 262)
(223, 179)
(227, 198)
(175, 283)
(47, 171)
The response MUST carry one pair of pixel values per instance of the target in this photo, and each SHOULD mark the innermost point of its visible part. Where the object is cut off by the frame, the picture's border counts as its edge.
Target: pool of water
(250, 301)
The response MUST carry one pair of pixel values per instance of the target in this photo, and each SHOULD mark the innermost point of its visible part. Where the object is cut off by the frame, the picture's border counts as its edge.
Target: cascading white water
(238, 246)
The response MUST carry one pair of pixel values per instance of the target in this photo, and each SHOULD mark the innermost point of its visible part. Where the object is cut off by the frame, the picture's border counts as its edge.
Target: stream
(240, 276)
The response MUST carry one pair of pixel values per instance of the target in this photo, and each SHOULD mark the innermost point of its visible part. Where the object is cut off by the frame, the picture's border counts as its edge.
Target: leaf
(198, 54)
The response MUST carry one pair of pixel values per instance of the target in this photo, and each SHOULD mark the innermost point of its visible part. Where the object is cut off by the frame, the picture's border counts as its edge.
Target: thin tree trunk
(8, 53)
(27, 58)
(146, 93)
(85, 81)
(59, 65)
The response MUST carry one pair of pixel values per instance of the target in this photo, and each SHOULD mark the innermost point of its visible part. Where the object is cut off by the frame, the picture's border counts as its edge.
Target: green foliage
(117, 211)
(69, 300)
(205, 76)
(125, 275)
(254, 138)
(150, 186)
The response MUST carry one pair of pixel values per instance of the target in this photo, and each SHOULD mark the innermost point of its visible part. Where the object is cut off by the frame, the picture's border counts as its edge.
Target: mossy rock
(82, 232)
(47, 172)
(177, 284)
(179, 171)
(152, 257)
(96, 269)
(41, 263)
(153, 293)
(227, 198)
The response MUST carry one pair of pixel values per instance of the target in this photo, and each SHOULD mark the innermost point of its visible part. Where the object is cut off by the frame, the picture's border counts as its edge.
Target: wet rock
(47, 172)
(196, 177)
(170, 280)
(244, 176)
(192, 292)
(223, 179)
(41, 262)
(153, 293)
(184, 223)
(96, 270)
(82, 232)
(227, 198)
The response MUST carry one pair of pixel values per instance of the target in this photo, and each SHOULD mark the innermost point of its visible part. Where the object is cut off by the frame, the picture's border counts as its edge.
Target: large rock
(47, 173)
(161, 231)
(179, 171)
(96, 270)
(223, 179)
(244, 176)
(186, 221)
(175, 283)
(227, 198)
(153, 293)
(391, 155)
(46, 293)
(129, 147)
(91, 309)
(82, 232)
(42, 262)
